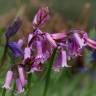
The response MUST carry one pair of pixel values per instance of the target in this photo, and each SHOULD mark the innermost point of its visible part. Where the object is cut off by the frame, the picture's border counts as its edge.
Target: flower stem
(3, 92)
(4, 54)
(14, 86)
(49, 72)
(29, 84)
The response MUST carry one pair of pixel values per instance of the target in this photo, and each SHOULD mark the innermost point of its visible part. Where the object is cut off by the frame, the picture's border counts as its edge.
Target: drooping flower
(27, 53)
(73, 48)
(61, 61)
(8, 80)
(64, 59)
(42, 44)
(34, 35)
(15, 48)
(19, 86)
(75, 45)
(91, 43)
(22, 75)
(39, 49)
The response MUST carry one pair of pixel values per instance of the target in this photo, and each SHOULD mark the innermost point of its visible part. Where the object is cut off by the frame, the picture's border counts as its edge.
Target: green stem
(4, 54)
(3, 92)
(28, 91)
(49, 72)
(14, 86)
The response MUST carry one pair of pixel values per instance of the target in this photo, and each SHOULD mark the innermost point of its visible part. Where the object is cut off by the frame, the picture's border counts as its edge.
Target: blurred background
(65, 14)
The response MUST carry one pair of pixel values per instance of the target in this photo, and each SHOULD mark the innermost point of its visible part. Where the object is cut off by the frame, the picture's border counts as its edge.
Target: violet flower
(74, 45)
(64, 59)
(78, 40)
(39, 49)
(19, 86)
(20, 43)
(73, 48)
(43, 44)
(61, 61)
(33, 36)
(91, 43)
(8, 80)
(41, 17)
(15, 48)
(51, 40)
(58, 36)
(27, 53)
(35, 68)
(30, 37)
(22, 75)
(13, 28)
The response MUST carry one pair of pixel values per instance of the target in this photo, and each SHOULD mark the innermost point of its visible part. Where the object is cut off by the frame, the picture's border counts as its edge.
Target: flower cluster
(39, 48)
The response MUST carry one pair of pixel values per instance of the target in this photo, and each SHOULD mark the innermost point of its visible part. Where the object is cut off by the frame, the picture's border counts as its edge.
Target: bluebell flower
(15, 49)
(8, 80)
(41, 17)
(13, 28)
(19, 86)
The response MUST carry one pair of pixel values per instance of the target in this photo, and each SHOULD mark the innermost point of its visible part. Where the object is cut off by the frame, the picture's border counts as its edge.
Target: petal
(16, 50)
(64, 59)
(57, 36)
(30, 37)
(19, 86)
(91, 43)
(39, 49)
(22, 75)
(50, 40)
(57, 65)
(78, 40)
(20, 43)
(8, 80)
(35, 67)
(27, 53)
